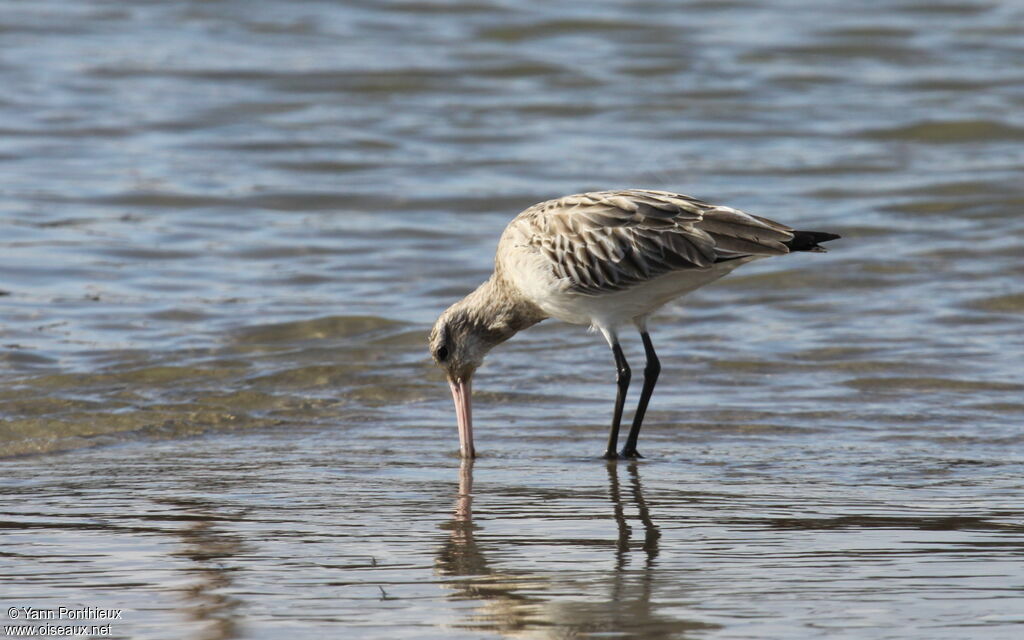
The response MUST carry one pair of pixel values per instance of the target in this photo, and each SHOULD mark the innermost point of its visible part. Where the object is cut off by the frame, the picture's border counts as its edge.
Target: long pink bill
(462, 393)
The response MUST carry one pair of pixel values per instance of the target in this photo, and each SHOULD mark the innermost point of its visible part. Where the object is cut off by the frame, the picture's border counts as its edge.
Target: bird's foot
(630, 454)
(610, 455)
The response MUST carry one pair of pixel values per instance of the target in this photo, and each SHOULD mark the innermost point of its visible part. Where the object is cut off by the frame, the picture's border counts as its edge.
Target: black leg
(622, 380)
(651, 372)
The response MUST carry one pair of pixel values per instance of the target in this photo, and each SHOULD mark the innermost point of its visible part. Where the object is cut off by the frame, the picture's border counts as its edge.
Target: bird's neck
(500, 310)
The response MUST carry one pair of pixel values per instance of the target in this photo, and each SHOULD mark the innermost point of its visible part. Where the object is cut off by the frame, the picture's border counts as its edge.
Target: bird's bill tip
(462, 394)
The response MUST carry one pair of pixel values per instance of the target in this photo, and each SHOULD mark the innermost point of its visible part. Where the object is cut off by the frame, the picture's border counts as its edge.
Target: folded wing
(608, 241)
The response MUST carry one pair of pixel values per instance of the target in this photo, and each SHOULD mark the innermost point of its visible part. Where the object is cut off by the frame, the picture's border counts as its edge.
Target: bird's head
(460, 339)
(464, 334)
(458, 343)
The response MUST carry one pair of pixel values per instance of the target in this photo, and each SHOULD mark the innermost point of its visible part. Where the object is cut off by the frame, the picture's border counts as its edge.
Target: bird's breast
(532, 275)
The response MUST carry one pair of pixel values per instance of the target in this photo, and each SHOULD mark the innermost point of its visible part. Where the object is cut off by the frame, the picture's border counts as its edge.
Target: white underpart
(609, 311)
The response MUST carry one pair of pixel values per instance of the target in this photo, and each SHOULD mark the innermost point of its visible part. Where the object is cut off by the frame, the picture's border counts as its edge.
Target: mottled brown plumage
(611, 240)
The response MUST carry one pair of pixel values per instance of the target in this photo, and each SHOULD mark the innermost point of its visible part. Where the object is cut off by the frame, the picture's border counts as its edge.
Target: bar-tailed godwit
(603, 259)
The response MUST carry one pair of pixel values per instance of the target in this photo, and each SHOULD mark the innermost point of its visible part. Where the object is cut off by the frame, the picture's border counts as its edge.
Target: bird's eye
(442, 353)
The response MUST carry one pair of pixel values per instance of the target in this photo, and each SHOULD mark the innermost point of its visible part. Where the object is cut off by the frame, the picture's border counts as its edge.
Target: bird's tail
(808, 240)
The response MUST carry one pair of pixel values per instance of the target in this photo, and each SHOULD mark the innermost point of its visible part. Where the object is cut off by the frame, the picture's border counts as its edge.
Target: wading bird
(604, 259)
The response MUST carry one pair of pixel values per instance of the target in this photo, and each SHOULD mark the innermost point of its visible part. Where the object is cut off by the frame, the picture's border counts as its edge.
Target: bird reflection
(517, 603)
(624, 545)
(461, 556)
(205, 545)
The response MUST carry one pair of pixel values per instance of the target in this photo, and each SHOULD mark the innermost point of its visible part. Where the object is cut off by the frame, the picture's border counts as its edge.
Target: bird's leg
(651, 372)
(622, 380)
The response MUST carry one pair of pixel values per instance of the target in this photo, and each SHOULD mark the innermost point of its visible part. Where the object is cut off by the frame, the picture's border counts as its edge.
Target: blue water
(226, 227)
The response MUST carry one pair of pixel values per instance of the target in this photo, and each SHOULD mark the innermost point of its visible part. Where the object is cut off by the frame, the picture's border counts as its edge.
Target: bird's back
(610, 240)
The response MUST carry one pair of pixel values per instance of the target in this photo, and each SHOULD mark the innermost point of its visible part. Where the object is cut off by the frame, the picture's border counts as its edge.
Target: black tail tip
(808, 240)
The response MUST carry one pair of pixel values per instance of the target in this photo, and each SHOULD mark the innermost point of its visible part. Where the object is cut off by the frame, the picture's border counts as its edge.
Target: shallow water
(226, 227)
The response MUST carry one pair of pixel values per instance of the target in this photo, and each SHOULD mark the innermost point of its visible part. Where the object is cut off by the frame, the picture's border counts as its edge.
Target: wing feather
(608, 241)
(735, 232)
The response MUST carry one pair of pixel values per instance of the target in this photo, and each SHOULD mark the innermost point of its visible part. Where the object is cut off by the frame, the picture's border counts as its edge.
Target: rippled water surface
(225, 228)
